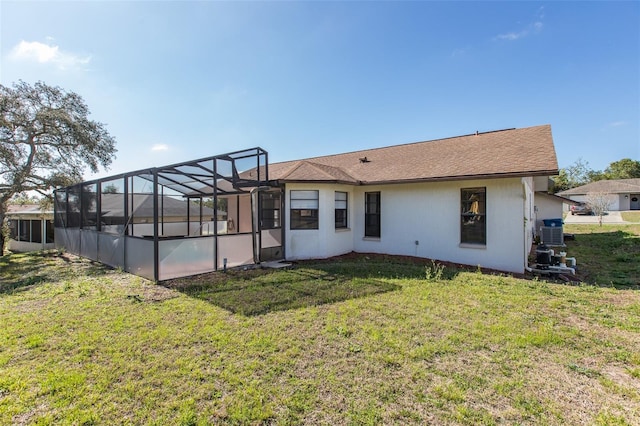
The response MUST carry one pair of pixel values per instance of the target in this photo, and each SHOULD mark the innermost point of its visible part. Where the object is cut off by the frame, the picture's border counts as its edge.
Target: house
(468, 199)
(30, 228)
(624, 193)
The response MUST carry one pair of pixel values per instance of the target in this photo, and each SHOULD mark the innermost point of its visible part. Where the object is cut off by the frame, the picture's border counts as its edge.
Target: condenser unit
(552, 235)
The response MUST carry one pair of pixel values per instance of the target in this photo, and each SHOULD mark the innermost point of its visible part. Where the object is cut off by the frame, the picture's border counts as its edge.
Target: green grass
(631, 216)
(607, 255)
(361, 340)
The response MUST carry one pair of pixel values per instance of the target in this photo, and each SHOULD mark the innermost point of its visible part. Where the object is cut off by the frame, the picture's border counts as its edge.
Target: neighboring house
(30, 228)
(469, 199)
(624, 193)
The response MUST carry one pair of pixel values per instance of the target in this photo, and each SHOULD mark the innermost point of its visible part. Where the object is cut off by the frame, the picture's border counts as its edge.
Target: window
(304, 209)
(341, 209)
(372, 214)
(27, 230)
(473, 226)
(270, 210)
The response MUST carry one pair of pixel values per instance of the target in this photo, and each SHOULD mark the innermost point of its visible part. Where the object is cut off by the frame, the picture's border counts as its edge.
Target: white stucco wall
(548, 208)
(24, 246)
(540, 183)
(326, 241)
(428, 213)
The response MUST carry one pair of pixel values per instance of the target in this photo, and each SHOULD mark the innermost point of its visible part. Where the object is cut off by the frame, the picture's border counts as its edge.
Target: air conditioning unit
(552, 235)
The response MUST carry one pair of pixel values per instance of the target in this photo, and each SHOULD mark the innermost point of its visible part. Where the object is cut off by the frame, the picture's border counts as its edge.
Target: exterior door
(635, 202)
(271, 225)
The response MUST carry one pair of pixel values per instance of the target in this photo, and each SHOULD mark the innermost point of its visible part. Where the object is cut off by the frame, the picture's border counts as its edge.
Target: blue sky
(176, 80)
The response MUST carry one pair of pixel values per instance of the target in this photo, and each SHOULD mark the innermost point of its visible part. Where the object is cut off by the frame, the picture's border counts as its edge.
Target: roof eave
(466, 177)
(428, 179)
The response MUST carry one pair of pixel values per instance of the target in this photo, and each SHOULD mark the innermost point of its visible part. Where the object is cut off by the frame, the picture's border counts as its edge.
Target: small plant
(434, 272)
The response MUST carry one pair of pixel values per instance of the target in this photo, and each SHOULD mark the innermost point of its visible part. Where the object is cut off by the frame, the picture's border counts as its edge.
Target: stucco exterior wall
(24, 246)
(421, 219)
(548, 208)
(326, 241)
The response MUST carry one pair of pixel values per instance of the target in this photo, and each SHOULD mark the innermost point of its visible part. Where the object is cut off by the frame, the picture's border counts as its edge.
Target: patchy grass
(607, 255)
(631, 216)
(405, 343)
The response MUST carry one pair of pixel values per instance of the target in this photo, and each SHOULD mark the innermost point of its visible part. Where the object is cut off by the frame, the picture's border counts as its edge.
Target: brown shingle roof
(514, 152)
(616, 186)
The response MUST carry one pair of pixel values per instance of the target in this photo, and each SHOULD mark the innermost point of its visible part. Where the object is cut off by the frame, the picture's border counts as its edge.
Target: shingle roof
(514, 152)
(616, 186)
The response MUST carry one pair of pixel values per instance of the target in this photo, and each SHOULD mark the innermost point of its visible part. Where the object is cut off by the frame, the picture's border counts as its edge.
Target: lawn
(607, 255)
(360, 340)
(631, 216)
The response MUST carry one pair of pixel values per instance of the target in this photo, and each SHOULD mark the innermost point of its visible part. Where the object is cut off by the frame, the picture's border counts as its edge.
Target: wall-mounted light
(626, 197)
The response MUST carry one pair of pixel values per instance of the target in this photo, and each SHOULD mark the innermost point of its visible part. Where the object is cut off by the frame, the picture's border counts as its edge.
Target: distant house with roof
(30, 228)
(625, 193)
(469, 199)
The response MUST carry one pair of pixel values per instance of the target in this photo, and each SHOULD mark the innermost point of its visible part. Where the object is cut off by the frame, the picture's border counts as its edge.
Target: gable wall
(428, 213)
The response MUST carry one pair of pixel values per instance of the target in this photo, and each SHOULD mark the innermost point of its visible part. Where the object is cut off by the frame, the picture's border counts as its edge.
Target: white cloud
(511, 36)
(42, 53)
(533, 28)
(160, 147)
(617, 123)
(459, 52)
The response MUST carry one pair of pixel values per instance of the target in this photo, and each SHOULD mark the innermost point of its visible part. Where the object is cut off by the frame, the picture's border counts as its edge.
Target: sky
(174, 81)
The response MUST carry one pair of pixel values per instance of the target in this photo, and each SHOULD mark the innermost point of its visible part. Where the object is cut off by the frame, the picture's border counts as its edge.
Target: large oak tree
(46, 141)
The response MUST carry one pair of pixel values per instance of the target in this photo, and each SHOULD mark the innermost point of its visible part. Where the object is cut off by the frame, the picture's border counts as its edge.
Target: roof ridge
(296, 165)
(323, 168)
(320, 169)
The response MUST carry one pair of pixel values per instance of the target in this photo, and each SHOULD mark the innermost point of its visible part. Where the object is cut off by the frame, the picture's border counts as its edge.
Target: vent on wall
(552, 235)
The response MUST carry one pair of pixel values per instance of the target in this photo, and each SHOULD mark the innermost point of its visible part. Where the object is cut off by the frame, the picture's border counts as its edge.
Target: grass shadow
(22, 271)
(308, 283)
(259, 292)
(607, 258)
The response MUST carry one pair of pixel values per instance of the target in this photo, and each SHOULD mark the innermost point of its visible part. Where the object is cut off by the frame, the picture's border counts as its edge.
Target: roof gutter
(432, 179)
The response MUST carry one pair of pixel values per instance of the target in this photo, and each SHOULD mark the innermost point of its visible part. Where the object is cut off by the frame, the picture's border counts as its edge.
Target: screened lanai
(178, 220)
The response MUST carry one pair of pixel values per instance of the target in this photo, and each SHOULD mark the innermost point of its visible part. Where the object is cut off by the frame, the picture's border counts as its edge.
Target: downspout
(255, 226)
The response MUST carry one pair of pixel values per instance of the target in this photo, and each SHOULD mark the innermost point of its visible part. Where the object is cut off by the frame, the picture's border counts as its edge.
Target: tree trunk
(3, 209)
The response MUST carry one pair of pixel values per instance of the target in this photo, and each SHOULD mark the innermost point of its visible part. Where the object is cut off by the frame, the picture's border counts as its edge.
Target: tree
(623, 169)
(599, 203)
(577, 174)
(46, 141)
